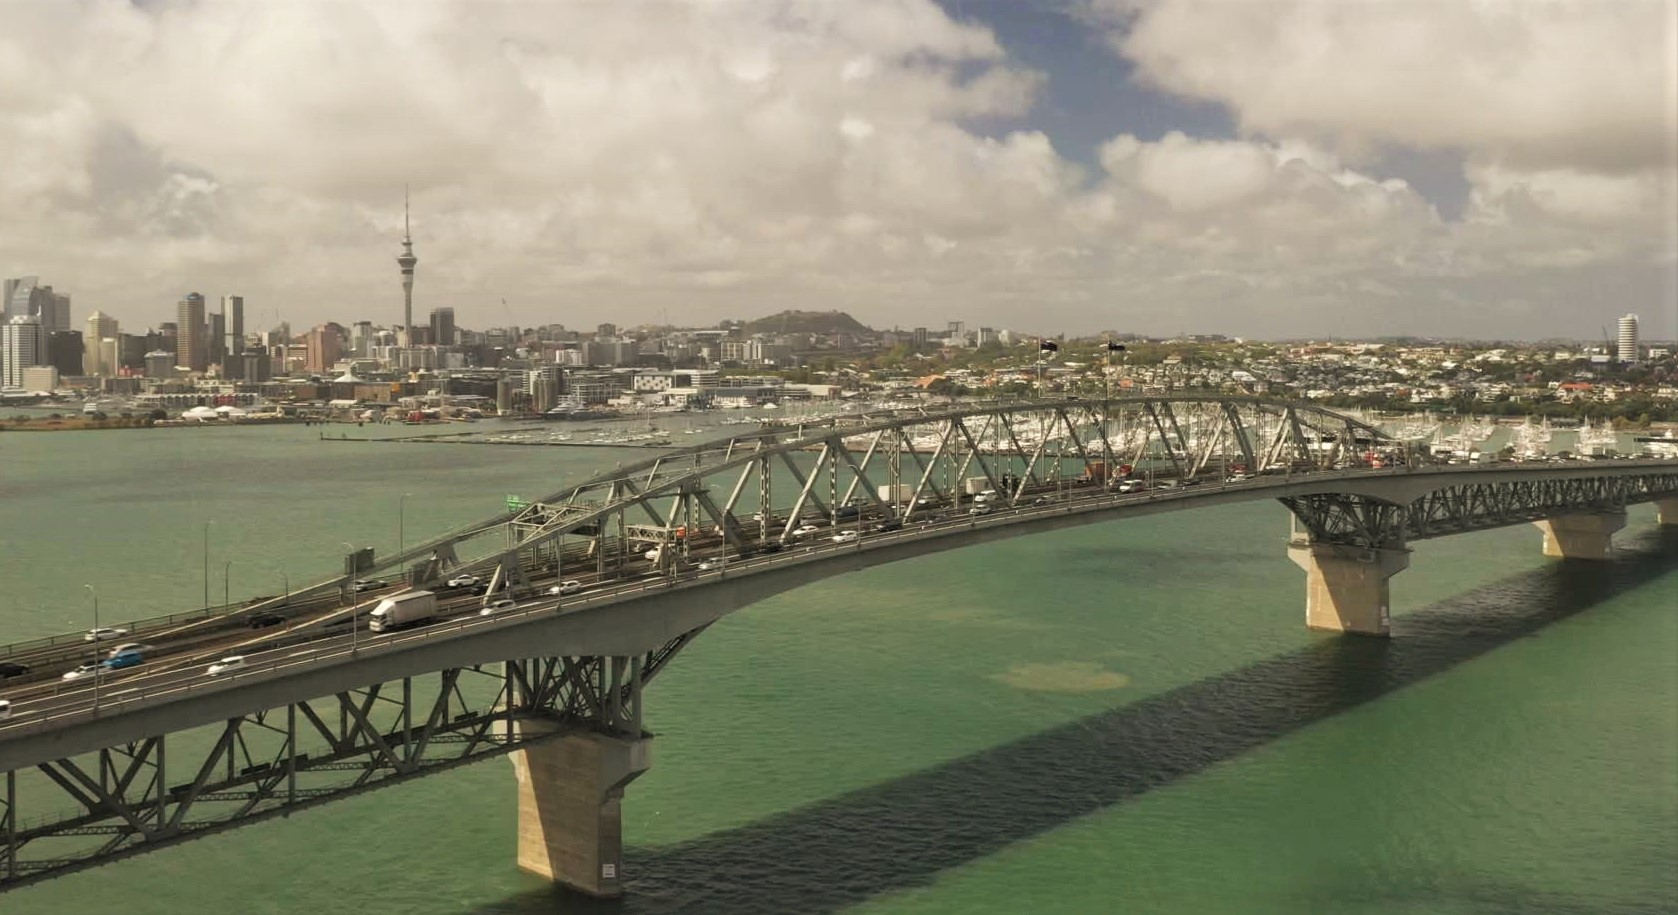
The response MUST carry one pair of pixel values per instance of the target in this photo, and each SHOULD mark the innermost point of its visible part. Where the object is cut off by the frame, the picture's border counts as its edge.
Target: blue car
(123, 659)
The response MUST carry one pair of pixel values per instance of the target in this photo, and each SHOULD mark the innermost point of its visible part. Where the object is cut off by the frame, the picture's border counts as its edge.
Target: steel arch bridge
(671, 543)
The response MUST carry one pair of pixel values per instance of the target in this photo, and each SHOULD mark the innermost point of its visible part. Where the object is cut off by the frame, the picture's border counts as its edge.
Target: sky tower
(406, 260)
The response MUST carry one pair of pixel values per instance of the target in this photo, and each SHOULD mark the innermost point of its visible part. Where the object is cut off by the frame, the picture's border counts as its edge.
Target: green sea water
(1127, 717)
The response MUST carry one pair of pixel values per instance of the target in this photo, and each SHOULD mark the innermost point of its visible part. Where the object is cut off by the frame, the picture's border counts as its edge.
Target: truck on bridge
(403, 610)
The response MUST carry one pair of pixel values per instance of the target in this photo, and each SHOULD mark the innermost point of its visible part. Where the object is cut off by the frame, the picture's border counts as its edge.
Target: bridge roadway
(612, 616)
(568, 670)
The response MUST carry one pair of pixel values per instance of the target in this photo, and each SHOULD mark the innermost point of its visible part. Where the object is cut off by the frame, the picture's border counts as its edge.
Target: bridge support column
(570, 822)
(1346, 587)
(1667, 511)
(1580, 536)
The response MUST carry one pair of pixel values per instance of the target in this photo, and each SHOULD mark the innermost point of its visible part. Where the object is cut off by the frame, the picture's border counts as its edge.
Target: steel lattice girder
(1041, 441)
(1357, 520)
(274, 761)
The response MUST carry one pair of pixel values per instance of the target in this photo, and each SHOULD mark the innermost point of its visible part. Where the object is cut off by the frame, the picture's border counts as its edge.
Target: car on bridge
(87, 669)
(128, 646)
(264, 620)
(890, 524)
(226, 665)
(5, 709)
(102, 633)
(566, 587)
(846, 537)
(369, 584)
(500, 606)
(709, 565)
(462, 581)
(12, 669)
(984, 509)
(121, 659)
(805, 530)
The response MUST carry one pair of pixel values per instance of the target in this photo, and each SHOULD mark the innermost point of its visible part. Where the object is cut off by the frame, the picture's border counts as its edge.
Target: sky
(1501, 169)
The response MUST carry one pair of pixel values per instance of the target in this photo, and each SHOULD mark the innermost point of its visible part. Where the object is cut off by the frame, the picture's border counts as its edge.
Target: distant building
(160, 363)
(64, 352)
(442, 327)
(1628, 339)
(326, 347)
(21, 347)
(40, 378)
(100, 326)
(191, 353)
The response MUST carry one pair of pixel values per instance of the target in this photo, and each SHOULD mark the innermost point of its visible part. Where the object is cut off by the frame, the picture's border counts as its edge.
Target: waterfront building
(190, 350)
(39, 378)
(1628, 339)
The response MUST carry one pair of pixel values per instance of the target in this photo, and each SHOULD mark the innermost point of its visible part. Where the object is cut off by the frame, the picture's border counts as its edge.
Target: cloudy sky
(1490, 168)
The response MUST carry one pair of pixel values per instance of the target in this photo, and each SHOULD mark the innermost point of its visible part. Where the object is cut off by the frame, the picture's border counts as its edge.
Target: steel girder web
(73, 813)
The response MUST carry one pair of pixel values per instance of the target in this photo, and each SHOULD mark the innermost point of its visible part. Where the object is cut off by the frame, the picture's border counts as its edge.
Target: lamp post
(401, 534)
(226, 573)
(96, 667)
(207, 562)
(286, 581)
(355, 602)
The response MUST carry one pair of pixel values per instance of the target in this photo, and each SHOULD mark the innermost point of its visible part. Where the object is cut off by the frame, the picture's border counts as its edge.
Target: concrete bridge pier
(570, 819)
(1667, 511)
(1346, 586)
(1583, 536)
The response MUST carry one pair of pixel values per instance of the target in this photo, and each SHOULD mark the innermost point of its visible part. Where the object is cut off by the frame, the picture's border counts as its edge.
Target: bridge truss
(1351, 519)
(752, 491)
(72, 813)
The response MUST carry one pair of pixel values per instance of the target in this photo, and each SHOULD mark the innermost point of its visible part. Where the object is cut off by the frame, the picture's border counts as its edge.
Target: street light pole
(96, 667)
(226, 573)
(285, 580)
(401, 534)
(207, 563)
(355, 602)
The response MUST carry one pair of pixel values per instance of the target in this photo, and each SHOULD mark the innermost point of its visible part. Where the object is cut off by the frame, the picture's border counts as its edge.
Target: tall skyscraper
(442, 326)
(1628, 339)
(190, 351)
(64, 352)
(22, 346)
(99, 327)
(406, 260)
(325, 347)
(60, 313)
(233, 321)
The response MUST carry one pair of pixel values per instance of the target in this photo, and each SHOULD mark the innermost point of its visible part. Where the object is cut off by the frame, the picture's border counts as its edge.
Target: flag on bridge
(1048, 346)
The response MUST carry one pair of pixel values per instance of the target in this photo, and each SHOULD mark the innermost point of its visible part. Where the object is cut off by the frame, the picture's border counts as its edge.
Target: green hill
(807, 322)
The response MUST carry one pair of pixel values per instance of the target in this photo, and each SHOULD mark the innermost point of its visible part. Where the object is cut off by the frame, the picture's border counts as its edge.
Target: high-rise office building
(190, 350)
(22, 346)
(1628, 339)
(215, 338)
(406, 260)
(99, 327)
(60, 313)
(325, 347)
(64, 352)
(442, 326)
(233, 324)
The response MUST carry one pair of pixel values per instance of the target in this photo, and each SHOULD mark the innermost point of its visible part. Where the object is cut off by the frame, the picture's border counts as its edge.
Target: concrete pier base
(1580, 536)
(1666, 512)
(1346, 587)
(570, 823)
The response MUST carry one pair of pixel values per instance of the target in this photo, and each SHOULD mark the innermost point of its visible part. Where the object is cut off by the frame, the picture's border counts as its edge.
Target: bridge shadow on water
(903, 833)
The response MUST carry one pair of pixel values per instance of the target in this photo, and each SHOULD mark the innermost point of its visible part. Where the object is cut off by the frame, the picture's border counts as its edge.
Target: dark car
(264, 620)
(890, 524)
(10, 669)
(769, 546)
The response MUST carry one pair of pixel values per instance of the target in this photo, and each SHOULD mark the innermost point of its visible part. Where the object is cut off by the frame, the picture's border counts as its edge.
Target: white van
(5, 709)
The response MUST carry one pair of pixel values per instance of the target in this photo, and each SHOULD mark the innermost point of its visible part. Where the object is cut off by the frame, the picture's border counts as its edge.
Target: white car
(5, 709)
(226, 665)
(846, 537)
(463, 581)
(84, 671)
(805, 530)
(566, 587)
(500, 606)
(709, 565)
(129, 646)
(102, 633)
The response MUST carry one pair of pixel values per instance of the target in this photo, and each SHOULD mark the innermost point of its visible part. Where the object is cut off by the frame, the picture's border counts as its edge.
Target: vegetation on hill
(807, 322)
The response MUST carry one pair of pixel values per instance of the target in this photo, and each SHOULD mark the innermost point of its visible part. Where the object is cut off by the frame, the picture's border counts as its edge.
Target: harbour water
(1126, 717)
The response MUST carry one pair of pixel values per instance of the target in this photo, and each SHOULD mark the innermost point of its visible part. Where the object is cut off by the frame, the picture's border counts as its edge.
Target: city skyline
(1060, 166)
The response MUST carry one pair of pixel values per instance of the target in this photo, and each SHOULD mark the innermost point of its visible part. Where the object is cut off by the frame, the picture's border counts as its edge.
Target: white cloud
(590, 160)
